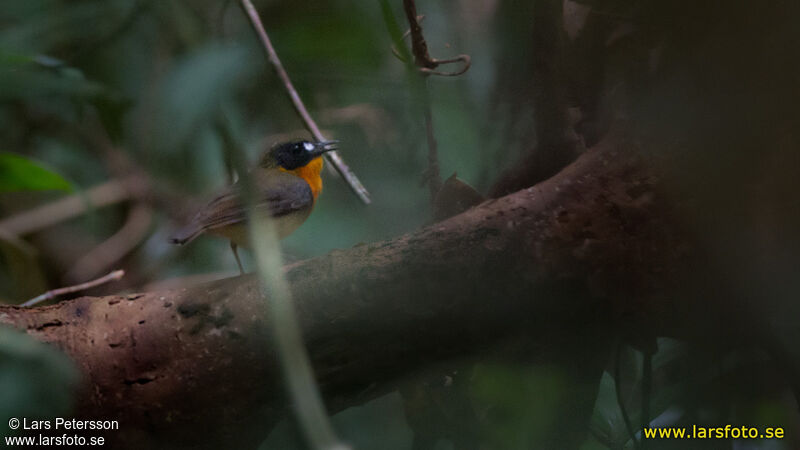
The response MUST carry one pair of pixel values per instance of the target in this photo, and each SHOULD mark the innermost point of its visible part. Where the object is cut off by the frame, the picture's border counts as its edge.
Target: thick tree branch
(535, 263)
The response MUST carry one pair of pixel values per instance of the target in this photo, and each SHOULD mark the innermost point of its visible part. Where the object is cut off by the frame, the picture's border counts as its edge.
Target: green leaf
(520, 403)
(18, 173)
(395, 32)
(36, 380)
(607, 425)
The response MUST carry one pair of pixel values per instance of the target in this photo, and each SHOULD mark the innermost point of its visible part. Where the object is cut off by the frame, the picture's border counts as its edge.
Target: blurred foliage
(155, 75)
(100, 90)
(376, 424)
(36, 380)
(512, 419)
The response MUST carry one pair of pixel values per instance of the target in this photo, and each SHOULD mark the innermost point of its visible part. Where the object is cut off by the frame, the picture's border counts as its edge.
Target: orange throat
(310, 172)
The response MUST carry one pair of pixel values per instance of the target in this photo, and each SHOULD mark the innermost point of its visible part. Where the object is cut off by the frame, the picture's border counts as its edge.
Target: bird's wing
(279, 193)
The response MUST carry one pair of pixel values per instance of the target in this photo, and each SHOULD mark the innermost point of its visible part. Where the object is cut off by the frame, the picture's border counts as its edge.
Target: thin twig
(115, 275)
(423, 60)
(333, 156)
(433, 175)
(463, 58)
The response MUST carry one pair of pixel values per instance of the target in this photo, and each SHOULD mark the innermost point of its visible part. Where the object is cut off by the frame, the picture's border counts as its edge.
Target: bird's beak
(323, 147)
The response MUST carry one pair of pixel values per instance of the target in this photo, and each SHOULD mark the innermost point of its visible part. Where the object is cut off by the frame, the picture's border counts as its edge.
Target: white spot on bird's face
(308, 146)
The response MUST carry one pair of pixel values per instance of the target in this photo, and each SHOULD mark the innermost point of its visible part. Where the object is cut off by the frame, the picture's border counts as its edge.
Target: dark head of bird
(295, 154)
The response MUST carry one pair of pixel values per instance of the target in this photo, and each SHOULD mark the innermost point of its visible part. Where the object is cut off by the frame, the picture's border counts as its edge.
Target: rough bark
(575, 252)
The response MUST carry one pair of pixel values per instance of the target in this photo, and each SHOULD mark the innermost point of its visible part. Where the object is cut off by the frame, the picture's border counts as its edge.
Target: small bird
(287, 181)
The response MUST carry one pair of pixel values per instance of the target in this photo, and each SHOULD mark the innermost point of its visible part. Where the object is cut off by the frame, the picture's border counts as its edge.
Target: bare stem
(333, 157)
(433, 174)
(115, 275)
(66, 208)
(295, 364)
(423, 60)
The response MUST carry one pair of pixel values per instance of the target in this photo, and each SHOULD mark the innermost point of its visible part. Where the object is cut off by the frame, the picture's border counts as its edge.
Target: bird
(287, 183)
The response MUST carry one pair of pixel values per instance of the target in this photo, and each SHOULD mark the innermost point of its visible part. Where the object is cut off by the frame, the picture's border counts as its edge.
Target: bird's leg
(236, 255)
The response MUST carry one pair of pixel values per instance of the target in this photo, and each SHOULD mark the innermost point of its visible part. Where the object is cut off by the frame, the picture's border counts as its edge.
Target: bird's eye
(297, 149)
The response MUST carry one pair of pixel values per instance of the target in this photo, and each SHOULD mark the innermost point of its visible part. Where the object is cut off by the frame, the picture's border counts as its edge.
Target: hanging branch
(332, 156)
(426, 65)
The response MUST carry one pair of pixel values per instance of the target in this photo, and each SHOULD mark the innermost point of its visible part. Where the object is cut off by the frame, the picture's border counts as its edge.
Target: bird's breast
(311, 174)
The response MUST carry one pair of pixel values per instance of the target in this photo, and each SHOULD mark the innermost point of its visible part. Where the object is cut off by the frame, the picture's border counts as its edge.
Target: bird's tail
(185, 234)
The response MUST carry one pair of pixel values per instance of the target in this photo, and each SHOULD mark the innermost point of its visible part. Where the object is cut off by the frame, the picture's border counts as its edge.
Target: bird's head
(295, 154)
